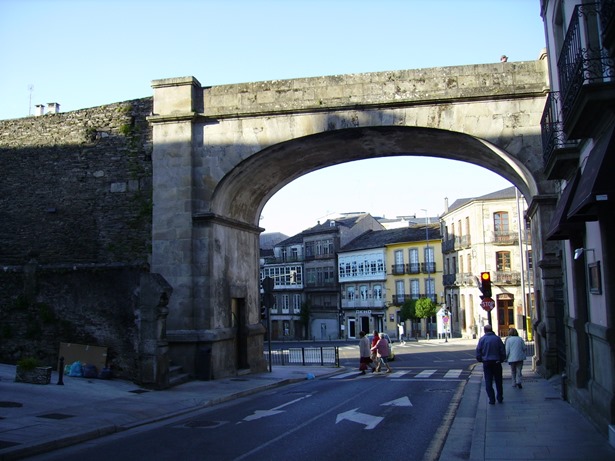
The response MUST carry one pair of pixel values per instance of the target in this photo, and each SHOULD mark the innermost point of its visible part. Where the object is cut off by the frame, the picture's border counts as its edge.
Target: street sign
(487, 304)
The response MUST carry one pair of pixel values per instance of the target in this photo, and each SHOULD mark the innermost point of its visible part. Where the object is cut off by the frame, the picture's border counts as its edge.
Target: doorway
(506, 314)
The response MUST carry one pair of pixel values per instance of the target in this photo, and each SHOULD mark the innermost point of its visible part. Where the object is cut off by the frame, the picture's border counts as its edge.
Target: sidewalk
(36, 418)
(533, 423)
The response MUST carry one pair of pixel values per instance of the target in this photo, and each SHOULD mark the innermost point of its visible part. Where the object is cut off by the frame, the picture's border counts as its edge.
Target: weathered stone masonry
(75, 231)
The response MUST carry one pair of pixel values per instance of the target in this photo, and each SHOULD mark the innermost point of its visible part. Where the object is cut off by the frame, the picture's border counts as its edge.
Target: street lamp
(427, 253)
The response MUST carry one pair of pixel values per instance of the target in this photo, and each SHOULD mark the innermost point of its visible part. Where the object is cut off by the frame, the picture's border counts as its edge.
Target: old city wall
(75, 231)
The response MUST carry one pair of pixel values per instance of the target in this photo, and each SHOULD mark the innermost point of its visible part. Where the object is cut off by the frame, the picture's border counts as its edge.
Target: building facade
(487, 234)
(306, 285)
(578, 127)
(414, 264)
(285, 267)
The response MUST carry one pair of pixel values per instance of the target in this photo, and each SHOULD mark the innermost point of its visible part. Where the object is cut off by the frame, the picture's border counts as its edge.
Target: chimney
(39, 109)
(446, 204)
(53, 107)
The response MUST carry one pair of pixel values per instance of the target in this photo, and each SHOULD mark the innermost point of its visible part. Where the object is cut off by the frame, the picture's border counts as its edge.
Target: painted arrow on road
(361, 418)
(401, 402)
(258, 414)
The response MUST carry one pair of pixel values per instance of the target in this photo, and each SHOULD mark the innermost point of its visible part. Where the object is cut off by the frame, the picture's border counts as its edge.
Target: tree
(408, 310)
(425, 308)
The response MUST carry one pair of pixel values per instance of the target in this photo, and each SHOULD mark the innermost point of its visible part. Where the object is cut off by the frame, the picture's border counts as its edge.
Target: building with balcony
(487, 234)
(578, 132)
(414, 271)
(306, 288)
(380, 270)
(284, 264)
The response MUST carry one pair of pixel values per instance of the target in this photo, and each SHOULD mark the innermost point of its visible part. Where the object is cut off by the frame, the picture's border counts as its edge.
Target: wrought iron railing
(552, 127)
(583, 59)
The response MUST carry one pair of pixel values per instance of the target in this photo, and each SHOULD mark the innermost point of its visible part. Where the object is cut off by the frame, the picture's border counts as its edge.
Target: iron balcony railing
(398, 269)
(399, 299)
(428, 267)
(552, 127)
(583, 59)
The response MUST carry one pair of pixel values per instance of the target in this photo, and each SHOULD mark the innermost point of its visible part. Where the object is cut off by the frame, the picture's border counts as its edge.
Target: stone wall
(75, 231)
(76, 186)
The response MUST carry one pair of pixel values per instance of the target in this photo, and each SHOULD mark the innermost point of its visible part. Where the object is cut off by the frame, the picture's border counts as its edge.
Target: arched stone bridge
(220, 153)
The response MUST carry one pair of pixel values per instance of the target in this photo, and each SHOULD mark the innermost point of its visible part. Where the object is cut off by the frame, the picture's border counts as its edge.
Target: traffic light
(485, 284)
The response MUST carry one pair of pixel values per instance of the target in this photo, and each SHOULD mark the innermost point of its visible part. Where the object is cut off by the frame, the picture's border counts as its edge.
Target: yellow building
(414, 271)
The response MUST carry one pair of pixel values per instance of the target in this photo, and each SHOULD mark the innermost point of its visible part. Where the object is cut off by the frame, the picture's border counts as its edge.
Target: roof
(507, 193)
(270, 239)
(381, 238)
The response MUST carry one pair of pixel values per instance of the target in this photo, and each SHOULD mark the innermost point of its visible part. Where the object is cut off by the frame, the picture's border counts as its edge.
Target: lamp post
(428, 284)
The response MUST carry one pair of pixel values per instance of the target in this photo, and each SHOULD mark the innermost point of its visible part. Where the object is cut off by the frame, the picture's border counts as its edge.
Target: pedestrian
(491, 352)
(516, 351)
(365, 360)
(381, 348)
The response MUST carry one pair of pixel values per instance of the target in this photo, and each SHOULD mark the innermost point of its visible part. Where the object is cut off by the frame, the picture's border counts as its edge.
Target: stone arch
(245, 190)
(220, 153)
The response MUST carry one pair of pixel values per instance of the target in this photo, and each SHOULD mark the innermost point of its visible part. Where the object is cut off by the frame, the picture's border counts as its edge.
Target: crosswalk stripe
(398, 374)
(344, 375)
(453, 373)
(425, 374)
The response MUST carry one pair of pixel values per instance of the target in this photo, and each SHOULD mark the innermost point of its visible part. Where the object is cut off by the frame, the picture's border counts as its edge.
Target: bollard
(61, 372)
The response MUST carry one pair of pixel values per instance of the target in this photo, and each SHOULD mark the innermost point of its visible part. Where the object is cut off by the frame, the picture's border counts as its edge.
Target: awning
(561, 228)
(596, 187)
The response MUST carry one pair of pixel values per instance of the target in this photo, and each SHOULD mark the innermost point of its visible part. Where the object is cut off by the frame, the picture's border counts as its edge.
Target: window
(415, 289)
(430, 287)
(309, 249)
(500, 222)
(377, 292)
(502, 261)
(469, 263)
(400, 291)
(413, 257)
(285, 304)
(296, 303)
(363, 292)
(350, 293)
(399, 262)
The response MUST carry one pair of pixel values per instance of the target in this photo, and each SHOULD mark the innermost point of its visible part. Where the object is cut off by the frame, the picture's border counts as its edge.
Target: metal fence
(305, 356)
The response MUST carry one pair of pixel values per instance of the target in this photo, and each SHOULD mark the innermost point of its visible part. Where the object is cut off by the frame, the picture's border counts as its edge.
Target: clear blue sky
(85, 53)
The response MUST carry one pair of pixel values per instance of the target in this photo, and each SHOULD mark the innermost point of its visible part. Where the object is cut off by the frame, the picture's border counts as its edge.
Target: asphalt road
(402, 415)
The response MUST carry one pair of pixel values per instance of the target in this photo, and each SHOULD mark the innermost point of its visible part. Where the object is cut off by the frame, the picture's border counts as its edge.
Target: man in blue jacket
(491, 352)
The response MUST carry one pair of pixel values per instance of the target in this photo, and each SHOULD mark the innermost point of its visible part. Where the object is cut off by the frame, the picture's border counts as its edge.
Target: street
(401, 415)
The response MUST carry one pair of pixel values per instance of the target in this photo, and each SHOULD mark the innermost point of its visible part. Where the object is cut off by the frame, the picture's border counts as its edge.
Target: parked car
(385, 336)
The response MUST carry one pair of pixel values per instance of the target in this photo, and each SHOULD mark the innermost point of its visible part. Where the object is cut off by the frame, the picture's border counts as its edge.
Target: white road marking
(425, 373)
(369, 421)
